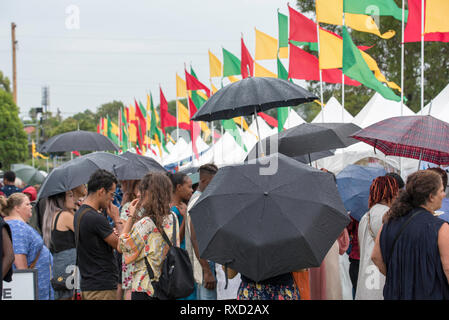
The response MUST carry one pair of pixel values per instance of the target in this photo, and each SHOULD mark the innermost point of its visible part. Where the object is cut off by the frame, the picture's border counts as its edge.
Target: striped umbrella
(418, 137)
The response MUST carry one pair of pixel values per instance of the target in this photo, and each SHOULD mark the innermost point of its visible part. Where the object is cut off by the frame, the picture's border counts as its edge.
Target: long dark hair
(177, 178)
(420, 185)
(155, 193)
(129, 188)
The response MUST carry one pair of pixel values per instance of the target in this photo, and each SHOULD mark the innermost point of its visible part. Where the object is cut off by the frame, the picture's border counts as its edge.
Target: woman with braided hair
(383, 192)
(412, 246)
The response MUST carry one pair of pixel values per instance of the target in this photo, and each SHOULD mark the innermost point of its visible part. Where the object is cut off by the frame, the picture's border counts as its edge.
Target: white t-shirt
(371, 281)
(233, 284)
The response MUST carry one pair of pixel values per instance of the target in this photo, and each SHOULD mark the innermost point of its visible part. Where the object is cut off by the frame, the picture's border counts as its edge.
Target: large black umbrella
(137, 167)
(77, 172)
(308, 138)
(264, 224)
(78, 141)
(305, 158)
(250, 96)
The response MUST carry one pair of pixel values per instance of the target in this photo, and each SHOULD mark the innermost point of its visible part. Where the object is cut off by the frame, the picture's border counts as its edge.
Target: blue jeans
(207, 294)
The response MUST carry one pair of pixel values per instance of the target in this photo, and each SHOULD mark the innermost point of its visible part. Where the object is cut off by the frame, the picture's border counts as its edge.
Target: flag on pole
(247, 62)
(181, 89)
(192, 83)
(267, 47)
(195, 128)
(231, 64)
(215, 66)
(283, 35)
(260, 71)
(373, 7)
(230, 126)
(412, 31)
(355, 67)
(436, 16)
(167, 120)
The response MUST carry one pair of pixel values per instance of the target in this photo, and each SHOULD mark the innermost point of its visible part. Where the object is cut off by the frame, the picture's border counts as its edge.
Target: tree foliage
(13, 139)
(387, 54)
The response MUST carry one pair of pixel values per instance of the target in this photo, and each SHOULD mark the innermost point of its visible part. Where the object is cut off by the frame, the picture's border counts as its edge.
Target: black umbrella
(305, 158)
(137, 167)
(250, 96)
(267, 225)
(77, 172)
(78, 141)
(308, 138)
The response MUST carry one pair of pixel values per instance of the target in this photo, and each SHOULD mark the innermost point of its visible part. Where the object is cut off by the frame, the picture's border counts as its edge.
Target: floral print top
(144, 241)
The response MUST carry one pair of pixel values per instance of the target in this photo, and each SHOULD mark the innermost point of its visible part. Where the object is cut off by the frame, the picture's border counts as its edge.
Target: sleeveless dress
(414, 271)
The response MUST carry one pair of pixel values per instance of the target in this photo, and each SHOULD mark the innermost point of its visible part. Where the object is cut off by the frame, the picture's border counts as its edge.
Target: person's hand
(182, 209)
(112, 211)
(209, 281)
(131, 213)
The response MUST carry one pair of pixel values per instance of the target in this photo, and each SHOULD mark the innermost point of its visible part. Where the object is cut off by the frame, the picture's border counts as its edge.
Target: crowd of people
(106, 239)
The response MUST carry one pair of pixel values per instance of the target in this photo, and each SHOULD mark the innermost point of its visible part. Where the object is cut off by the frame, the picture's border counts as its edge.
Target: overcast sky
(90, 52)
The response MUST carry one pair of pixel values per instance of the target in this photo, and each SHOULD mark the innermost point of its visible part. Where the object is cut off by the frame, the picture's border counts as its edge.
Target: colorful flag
(302, 29)
(247, 62)
(373, 7)
(215, 66)
(282, 31)
(195, 128)
(167, 120)
(192, 83)
(412, 31)
(183, 116)
(124, 131)
(331, 12)
(304, 66)
(109, 132)
(231, 64)
(355, 67)
(267, 47)
(181, 90)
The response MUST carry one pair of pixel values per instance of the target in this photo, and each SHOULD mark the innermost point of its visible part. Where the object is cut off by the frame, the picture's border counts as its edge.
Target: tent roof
(440, 105)
(377, 109)
(333, 113)
(293, 119)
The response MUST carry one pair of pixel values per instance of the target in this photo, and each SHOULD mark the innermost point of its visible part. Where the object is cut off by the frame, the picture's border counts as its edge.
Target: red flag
(270, 120)
(305, 66)
(76, 153)
(142, 121)
(194, 84)
(412, 31)
(302, 29)
(247, 62)
(167, 120)
(98, 128)
(195, 128)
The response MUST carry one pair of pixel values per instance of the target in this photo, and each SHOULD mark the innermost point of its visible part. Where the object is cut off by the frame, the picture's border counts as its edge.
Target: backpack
(176, 280)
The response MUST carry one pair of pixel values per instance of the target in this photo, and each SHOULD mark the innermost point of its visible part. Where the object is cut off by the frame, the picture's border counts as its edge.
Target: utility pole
(14, 77)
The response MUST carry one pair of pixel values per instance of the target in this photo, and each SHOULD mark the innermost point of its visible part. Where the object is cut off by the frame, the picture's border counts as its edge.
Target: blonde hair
(8, 204)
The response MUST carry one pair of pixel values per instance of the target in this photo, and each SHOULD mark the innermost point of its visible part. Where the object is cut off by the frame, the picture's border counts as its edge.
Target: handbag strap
(77, 233)
(33, 264)
(164, 236)
(402, 229)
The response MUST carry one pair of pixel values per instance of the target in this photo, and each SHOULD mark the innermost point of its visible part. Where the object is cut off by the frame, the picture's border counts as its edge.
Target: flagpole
(119, 128)
(321, 73)
(177, 124)
(191, 121)
(422, 54)
(213, 129)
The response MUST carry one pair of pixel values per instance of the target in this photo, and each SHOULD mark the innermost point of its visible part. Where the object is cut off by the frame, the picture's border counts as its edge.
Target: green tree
(5, 84)
(13, 139)
(111, 109)
(387, 54)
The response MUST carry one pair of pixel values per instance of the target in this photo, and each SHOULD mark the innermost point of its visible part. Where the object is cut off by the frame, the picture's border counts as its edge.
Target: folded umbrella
(77, 172)
(354, 183)
(79, 140)
(266, 225)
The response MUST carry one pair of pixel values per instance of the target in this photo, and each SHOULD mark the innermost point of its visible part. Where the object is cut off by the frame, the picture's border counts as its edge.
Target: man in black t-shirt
(97, 239)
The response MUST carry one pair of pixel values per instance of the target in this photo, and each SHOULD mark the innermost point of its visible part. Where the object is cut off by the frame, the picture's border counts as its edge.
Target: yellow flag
(114, 128)
(215, 66)
(260, 71)
(183, 113)
(181, 87)
(267, 47)
(436, 16)
(331, 12)
(132, 126)
(331, 57)
(202, 94)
